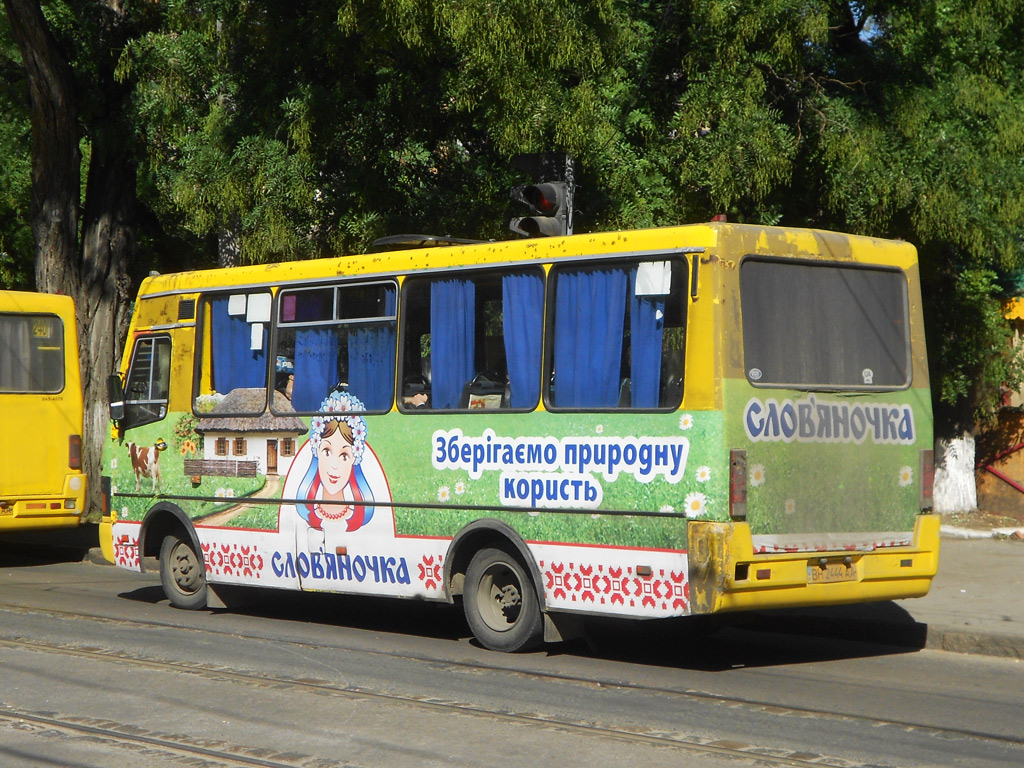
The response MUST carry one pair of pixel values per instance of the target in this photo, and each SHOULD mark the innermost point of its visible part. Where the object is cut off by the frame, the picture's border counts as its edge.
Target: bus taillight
(75, 451)
(738, 484)
(105, 492)
(927, 475)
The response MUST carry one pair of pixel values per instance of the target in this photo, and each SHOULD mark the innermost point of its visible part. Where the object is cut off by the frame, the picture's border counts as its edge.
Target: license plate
(832, 572)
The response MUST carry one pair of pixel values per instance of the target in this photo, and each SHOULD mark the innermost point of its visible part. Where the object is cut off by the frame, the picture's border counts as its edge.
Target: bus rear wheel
(500, 602)
(181, 573)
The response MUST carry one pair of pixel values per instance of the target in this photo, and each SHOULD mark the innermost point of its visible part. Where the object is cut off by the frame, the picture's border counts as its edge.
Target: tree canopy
(284, 130)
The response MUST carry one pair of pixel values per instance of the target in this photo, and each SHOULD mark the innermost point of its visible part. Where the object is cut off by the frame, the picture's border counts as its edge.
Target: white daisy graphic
(757, 474)
(695, 504)
(460, 488)
(703, 474)
(221, 493)
(790, 506)
(906, 476)
(667, 509)
(599, 428)
(596, 517)
(533, 513)
(444, 493)
(686, 421)
(113, 463)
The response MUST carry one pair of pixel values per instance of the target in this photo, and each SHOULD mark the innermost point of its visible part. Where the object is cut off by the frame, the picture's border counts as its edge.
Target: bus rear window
(824, 326)
(31, 354)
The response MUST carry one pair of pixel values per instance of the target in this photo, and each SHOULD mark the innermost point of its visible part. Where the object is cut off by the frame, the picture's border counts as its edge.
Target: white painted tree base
(956, 489)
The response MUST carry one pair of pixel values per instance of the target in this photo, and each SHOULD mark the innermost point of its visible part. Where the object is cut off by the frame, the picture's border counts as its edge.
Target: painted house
(268, 440)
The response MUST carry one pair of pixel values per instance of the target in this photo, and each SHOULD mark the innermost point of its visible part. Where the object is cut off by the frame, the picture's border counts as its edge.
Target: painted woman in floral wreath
(337, 439)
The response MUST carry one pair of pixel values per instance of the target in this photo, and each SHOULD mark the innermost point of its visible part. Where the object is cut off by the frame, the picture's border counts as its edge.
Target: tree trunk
(955, 488)
(56, 159)
(229, 247)
(95, 275)
(108, 238)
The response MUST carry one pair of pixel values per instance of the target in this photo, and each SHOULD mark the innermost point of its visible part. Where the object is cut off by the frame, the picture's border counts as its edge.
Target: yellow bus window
(337, 337)
(617, 335)
(31, 353)
(473, 341)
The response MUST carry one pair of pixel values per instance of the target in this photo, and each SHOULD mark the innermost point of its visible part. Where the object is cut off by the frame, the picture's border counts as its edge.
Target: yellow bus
(42, 484)
(645, 424)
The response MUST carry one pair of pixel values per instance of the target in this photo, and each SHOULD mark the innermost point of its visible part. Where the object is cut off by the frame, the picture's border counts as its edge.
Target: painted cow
(146, 463)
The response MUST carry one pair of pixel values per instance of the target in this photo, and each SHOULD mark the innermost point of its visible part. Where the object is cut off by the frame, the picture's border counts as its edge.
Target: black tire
(500, 602)
(181, 573)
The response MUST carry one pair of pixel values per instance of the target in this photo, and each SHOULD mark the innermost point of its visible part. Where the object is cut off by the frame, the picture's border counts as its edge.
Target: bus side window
(336, 337)
(231, 354)
(148, 383)
(473, 341)
(618, 336)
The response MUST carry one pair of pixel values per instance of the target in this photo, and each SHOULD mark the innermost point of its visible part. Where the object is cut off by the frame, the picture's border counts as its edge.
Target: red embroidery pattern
(578, 583)
(126, 552)
(232, 560)
(431, 571)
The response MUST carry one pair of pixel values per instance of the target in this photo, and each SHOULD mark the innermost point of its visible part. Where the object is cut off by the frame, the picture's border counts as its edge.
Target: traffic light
(549, 208)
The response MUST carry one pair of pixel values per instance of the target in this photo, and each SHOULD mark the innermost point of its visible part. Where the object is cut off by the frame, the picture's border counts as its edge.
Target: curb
(976, 643)
(953, 532)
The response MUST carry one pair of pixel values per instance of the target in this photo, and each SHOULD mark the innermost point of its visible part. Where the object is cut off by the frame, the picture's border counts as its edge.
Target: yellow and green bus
(42, 484)
(645, 424)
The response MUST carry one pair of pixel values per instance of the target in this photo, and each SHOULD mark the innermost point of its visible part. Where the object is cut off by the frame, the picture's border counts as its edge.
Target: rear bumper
(50, 511)
(727, 575)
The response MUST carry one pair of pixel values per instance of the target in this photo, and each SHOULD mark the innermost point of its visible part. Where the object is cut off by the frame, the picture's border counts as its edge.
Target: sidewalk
(976, 602)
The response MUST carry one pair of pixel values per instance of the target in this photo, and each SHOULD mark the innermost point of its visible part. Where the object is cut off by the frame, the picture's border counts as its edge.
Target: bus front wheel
(181, 573)
(500, 602)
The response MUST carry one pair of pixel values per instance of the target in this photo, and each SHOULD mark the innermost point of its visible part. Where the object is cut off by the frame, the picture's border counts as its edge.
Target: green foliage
(976, 362)
(16, 257)
(311, 128)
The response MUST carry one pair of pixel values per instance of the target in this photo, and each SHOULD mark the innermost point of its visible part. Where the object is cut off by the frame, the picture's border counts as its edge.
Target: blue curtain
(590, 308)
(523, 320)
(647, 319)
(234, 363)
(452, 340)
(316, 367)
(371, 360)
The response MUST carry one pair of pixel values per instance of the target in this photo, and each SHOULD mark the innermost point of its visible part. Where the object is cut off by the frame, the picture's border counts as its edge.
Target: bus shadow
(47, 547)
(151, 595)
(757, 639)
(699, 643)
(374, 614)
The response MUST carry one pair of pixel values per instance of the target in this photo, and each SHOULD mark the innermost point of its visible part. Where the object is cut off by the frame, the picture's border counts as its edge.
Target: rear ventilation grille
(187, 309)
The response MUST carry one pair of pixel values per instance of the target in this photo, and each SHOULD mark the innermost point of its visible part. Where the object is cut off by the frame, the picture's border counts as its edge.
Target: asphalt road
(96, 669)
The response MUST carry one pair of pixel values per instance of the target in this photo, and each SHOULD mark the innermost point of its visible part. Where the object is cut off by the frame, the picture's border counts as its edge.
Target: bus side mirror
(115, 397)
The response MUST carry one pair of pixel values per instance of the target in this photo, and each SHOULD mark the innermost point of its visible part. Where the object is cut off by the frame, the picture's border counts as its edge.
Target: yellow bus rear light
(75, 451)
(927, 475)
(763, 574)
(69, 503)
